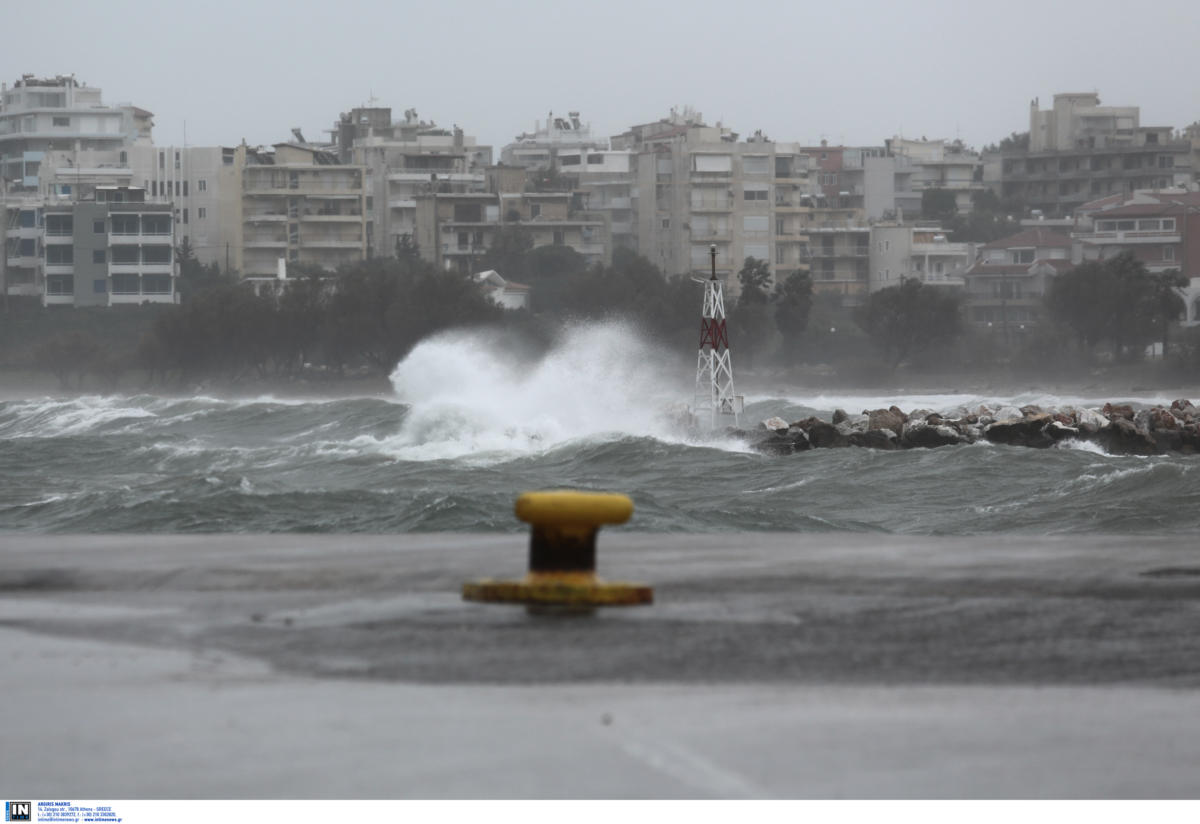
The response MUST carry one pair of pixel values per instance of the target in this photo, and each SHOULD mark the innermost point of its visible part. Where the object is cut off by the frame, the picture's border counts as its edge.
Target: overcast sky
(850, 72)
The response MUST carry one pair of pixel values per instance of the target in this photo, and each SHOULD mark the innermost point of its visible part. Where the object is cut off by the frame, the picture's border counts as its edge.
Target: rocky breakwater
(1119, 429)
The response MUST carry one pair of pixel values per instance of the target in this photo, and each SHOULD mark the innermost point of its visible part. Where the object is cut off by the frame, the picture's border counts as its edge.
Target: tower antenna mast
(714, 373)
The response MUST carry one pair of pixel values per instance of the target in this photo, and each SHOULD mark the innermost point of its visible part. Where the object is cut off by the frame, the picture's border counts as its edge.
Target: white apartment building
(59, 144)
(540, 148)
(605, 180)
(899, 253)
(941, 164)
(404, 159)
(698, 186)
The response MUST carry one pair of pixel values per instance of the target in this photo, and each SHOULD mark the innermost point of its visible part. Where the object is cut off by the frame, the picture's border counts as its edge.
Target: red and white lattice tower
(714, 373)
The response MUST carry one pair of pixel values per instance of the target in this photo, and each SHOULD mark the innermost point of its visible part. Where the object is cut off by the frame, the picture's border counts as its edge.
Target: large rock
(1114, 411)
(775, 425)
(892, 419)
(1184, 409)
(822, 434)
(1021, 432)
(929, 436)
(875, 439)
(1121, 437)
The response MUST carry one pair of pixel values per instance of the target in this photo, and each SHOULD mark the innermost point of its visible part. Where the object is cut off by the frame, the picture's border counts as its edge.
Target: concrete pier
(770, 665)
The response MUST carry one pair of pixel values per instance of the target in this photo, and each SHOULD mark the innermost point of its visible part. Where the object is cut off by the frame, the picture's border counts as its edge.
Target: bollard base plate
(570, 594)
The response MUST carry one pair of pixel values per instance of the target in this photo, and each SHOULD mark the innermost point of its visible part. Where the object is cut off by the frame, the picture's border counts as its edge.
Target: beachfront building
(115, 249)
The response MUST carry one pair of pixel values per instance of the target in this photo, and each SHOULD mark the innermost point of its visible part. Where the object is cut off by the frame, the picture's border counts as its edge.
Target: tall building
(1081, 151)
(699, 186)
(59, 144)
(404, 159)
(39, 115)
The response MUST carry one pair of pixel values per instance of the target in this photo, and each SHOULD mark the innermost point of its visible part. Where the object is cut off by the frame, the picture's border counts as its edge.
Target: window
(1168, 224)
(100, 286)
(755, 165)
(156, 284)
(464, 240)
(293, 180)
(755, 225)
(57, 255)
(201, 213)
(595, 159)
(185, 188)
(1168, 253)
(755, 191)
(176, 159)
(124, 158)
(758, 251)
(568, 160)
(1022, 256)
(62, 121)
(28, 219)
(1166, 161)
(60, 285)
(156, 254)
(59, 225)
(185, 216)
(720, 164)
(535, 210)
(779, 226)
(125, 255)
(558, 237)
(666, 223)
(124, 224)
(98, 256)
(156, 224)
(202, 185)
(27, 247)
(125, 284)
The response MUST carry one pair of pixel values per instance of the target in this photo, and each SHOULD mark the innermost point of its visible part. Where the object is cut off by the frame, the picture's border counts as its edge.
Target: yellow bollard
(562, 556)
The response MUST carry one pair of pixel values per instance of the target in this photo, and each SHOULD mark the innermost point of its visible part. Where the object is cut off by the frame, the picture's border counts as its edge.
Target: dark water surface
(465, 433)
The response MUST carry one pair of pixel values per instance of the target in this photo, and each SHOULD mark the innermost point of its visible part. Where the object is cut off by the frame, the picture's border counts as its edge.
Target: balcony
(60, 269)
(1132, 237)
(265, 217)
(331, 218)
(266, 243)
(402, 203)
(331, 243)
(622, 227)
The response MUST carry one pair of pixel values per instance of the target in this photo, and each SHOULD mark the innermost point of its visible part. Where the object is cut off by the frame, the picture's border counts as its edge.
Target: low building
(1006, 285)
(923, 253)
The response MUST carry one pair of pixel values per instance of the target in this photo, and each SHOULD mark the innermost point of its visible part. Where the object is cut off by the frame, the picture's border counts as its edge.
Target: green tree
(938, 204)
(793, 299)
(1115, 302)
(752, 314)
(907, 319)
(507, 254)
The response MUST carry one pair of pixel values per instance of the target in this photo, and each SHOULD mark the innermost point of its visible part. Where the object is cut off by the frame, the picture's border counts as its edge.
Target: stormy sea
(468, 427)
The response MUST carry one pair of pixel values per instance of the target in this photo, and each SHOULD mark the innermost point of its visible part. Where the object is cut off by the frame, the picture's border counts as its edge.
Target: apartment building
(899, 253)
(605, 181)
(1005, 286)
(298, 203)
(871, 179)
(115, 249)
(699, 186)
(59, 143)
(61, 113)
(404, 159)
(1080, 151)
(940, 164)
(540, 148)
(455, 230)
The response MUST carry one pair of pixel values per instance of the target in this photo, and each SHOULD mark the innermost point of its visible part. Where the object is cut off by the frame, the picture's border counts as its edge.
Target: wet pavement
(770, 665)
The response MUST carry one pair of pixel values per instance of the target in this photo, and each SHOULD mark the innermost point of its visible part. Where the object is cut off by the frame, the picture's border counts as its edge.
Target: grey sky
(850, 72)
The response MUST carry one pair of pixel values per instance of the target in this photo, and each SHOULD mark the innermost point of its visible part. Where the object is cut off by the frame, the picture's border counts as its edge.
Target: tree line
(365, 318)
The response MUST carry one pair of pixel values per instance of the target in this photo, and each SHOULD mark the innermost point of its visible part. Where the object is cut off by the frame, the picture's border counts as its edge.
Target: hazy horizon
(225, 72)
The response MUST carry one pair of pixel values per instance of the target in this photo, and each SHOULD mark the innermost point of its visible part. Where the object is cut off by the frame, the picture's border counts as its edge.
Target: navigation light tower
(714, 374)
